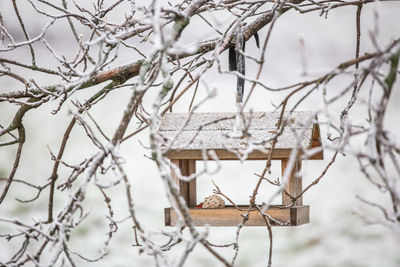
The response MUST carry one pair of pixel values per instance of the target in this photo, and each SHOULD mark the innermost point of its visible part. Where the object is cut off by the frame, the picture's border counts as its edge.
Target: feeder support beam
(186, 189)
(293, 186)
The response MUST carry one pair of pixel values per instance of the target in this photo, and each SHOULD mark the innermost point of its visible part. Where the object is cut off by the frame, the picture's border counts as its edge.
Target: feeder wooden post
(186, 189)
(294, 184)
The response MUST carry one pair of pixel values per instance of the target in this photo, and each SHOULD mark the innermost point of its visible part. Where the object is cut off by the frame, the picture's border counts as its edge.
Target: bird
(237, 61)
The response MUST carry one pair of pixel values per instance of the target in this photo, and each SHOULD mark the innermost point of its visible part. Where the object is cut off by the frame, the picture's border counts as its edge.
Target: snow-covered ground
(336, 236)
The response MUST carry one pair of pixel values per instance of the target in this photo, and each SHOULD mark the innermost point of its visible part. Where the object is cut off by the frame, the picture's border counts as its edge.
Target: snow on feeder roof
(216, 131)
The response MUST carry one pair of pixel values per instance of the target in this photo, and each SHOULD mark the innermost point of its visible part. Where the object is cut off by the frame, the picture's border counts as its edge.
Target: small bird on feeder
(212, 202)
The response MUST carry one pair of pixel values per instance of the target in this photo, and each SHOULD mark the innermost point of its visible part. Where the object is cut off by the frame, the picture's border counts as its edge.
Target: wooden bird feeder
(190, 139)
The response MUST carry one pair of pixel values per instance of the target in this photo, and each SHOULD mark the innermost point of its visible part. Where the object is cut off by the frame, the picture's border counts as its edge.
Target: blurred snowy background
(334, 237)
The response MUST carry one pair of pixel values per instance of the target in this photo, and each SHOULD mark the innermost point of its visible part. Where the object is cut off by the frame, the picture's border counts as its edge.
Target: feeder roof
(188, 136)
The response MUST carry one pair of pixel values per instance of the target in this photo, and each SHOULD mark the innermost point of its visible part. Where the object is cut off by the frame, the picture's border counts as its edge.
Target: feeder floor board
(230, 216)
